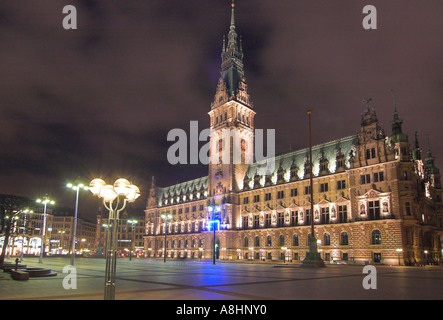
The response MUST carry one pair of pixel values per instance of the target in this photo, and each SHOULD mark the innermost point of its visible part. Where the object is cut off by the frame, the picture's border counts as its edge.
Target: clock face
(244, 145)
(220, 145)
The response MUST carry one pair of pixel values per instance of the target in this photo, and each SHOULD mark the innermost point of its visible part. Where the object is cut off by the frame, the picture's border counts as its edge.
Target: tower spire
(396, 124)
(393, 99)
(232, 58)
(232, 16)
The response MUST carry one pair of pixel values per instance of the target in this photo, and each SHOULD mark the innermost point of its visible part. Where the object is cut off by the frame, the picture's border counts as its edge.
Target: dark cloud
(100, 100)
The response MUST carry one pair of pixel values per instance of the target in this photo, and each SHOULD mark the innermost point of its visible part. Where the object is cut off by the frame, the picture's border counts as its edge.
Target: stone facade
(375, 198)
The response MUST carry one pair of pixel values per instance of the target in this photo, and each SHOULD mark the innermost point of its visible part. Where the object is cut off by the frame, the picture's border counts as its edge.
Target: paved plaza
(142, 279)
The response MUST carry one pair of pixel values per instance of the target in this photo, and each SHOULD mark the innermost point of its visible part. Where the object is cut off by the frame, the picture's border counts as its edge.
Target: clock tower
(232, 128)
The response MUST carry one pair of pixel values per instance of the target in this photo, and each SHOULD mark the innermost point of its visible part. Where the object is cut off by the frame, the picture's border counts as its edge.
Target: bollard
(16, 263)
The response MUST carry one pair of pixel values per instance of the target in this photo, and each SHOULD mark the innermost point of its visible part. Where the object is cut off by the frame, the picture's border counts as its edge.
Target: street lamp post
(313, 258)
(121, 192)
(45, 202)
(77, 189)
(24, 232)
(106, 226)
(166, 217)
(213, 208)
(132, 223)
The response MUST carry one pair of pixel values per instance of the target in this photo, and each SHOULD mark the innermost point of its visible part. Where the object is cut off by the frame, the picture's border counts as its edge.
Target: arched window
(344, 239)
(295, 240)
(269, 241)
(246, 242)
(327, 239)
(282, 240)
(376, 237)
(257, 241)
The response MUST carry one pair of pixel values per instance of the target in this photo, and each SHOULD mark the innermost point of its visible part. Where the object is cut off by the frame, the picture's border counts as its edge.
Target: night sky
(99, 101)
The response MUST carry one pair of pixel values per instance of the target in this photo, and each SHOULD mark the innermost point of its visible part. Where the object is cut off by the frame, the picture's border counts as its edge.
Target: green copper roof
(325, 152)
(191, 190)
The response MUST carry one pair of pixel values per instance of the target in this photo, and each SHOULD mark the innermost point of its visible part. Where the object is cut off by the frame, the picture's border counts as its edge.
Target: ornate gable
(221, 93)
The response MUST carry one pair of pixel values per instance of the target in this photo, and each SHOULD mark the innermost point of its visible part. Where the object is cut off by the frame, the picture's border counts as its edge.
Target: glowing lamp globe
(107, 192)
(96, 185)
(133, 194)
(122, 187)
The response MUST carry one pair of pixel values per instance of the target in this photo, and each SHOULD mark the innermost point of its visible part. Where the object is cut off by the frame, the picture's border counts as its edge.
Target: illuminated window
(376, 237)
(269, 241)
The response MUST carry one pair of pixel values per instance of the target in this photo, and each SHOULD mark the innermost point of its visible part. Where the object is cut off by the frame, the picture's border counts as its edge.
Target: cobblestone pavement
(142, 279)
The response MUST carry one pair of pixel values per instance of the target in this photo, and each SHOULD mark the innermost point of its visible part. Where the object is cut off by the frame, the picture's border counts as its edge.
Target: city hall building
(377, 197)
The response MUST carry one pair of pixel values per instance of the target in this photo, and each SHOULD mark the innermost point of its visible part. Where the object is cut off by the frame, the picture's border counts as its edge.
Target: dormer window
(370, 153)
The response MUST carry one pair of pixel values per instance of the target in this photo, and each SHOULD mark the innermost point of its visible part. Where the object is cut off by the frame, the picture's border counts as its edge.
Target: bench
(19, 275)
(8, 268)
(39, 272)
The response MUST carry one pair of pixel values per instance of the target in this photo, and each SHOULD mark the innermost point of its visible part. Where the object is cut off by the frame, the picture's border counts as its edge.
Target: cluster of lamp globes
(121, 187)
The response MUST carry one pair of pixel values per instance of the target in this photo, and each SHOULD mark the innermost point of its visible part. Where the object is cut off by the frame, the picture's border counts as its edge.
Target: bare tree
(10, 207)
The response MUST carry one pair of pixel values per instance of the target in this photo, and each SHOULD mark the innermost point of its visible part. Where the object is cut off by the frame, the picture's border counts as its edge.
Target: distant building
(58, 234)
(130, 235)
(377, 198)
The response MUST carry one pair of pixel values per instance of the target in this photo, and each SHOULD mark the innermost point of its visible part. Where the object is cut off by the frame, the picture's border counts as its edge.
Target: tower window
(370, 153)
(365, 178)
(379, 176)
(324, 187)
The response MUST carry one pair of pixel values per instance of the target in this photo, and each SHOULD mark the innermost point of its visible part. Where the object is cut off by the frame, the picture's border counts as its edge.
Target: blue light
(210, 222)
